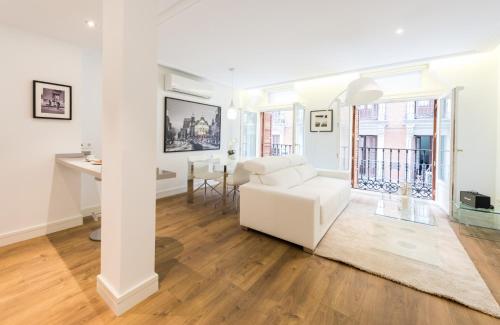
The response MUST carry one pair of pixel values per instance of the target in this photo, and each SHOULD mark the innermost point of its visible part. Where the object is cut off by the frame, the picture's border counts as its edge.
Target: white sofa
(289, 199)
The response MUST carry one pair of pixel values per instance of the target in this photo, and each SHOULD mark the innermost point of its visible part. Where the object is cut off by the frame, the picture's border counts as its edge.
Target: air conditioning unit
(183, 85)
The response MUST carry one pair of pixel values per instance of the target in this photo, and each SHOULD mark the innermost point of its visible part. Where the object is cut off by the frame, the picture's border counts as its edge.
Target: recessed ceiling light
(399, 31)
(90, 23)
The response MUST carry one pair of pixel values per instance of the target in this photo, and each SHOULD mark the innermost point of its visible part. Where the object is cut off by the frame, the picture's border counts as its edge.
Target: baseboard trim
(171, 192)
(119, 304)
(91, 210)
(70, 222)
(40, 230)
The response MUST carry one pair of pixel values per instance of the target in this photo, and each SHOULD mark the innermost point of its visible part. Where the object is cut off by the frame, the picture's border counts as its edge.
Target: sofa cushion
(296, 160)
(306, 172)
(284, 178)
(328, 182)
(332, 192)
(267, 165)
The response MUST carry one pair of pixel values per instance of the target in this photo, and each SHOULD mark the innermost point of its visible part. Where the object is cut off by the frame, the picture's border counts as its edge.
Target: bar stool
(95, 235)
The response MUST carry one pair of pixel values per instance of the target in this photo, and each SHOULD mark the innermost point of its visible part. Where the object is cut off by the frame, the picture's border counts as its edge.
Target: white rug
(427, 258)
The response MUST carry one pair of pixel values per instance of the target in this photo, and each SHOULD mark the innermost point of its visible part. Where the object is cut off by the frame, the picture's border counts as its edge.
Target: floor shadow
(166, 250)
(65, 243)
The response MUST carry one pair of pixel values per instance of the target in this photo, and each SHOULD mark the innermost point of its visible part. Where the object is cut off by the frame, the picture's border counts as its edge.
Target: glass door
(248, 134)
(344, 128)
(444, 151)
(266, 134)
(282, 131)
(298, 128)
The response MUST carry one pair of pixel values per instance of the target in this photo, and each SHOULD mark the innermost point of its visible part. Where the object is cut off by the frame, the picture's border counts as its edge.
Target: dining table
(218, 168)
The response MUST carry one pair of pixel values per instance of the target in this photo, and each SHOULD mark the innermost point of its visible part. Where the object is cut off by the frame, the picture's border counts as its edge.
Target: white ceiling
(61, 19)
(272, 41)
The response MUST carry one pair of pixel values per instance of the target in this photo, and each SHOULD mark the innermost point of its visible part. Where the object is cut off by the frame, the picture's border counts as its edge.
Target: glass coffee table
(405, 208)
(479, 223)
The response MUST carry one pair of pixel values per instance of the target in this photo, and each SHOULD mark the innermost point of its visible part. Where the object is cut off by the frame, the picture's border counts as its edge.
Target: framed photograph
(321, 121)
(191, 126)
(52, 101)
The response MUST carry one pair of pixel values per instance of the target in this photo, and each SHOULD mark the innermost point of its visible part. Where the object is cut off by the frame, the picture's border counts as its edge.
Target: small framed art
(52, 101)
(321, 121)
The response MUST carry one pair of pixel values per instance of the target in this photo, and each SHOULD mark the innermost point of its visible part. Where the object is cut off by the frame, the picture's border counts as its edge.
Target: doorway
(282, 131)
(394, 145)
(445, 143)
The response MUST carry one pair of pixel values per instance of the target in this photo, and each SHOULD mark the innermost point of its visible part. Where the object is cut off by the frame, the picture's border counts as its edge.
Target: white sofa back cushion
(296, 160)
(284, 178)
(266, 165)
(306, 172)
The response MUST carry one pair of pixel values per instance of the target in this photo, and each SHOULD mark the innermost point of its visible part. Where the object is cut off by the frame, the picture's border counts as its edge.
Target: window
(299, 129)
(281, 118)
(368, 112)
(249, 134)
(424, 109)
(444, 157)
(423, 154)
(446, 109)
(277, 133)
(367, 155)
(444, 140)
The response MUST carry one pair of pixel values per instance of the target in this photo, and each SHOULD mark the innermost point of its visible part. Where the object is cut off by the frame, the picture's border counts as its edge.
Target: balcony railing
(387, 169)
(281, 149)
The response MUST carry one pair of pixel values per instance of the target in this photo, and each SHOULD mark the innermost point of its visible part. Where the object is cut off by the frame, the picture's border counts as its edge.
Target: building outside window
(424, 109)
(368, 112)
(395, 146)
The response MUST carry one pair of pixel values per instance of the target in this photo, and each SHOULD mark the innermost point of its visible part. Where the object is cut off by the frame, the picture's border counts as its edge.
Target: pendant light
(232, 112)
(361, 91)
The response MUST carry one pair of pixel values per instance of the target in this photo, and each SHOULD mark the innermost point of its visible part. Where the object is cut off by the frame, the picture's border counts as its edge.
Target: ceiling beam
(394, 71)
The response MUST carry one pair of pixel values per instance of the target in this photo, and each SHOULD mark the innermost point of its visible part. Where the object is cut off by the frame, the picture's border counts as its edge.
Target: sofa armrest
(276, 211)
(342, 174)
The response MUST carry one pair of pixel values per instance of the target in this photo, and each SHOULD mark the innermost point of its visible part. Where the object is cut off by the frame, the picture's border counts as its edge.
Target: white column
(498, 127)
(128, 150)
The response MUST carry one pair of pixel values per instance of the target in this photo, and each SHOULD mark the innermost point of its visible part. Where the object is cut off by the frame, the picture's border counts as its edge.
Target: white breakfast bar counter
(78, 162)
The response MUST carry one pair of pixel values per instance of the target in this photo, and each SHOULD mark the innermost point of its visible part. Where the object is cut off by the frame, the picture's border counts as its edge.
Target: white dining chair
(203, 171)
(239, 177)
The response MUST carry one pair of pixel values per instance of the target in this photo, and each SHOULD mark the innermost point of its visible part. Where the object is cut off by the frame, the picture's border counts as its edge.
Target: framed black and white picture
(52, 101)
(321, 121)
(191, 126)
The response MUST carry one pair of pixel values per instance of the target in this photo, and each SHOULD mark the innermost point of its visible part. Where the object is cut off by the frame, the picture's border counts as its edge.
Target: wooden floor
(213, 272)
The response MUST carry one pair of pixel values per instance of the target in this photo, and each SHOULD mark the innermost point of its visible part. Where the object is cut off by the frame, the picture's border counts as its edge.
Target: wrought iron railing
(281, 149)
(387, 169)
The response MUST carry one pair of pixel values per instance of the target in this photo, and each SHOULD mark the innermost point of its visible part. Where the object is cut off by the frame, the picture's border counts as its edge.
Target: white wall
(36, 195)
(498, 126)
(91, 121)
(322, 149)
(177, 162)
(478, 118)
